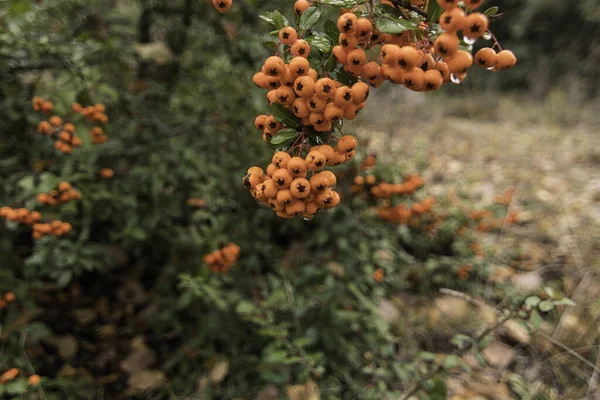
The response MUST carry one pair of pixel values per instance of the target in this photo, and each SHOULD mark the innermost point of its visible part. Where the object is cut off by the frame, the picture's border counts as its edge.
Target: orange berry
(347, 23)
(260, 80)
(9, 297)
(378, 275)
(341, 55)
(409, 57)
(76, 107)
(300, 6)
(272, 124)
(285, 95)
(317, 119)
(448, 4)
(282, 178)
(44, 128)
(460, 62)
(433, 80)
(296, 208)
(9, 375)
(315, 160)
(55, 121)
(299, 66)
(452, 20)
(346, 144)
(486, 57)
(472, 4)
(360, 92)
(364, 27)
(505, 59)
(35, 216)
(316, 104)
(300, 48)
(443, 68)
(319, 182)
(285, 197)
(281, 159)
(325, 88)
(446, 45)
(343, 96)
(297, 167)
(300, 188)
(325, 197)
(288, 35)
(357, 57)
(274, 66)
(47, 107)
(304, 86)
(475, 25)
(371, 71)
(65, 136)
(333, 113)
(348, 41)
(222, 6)
(107, 173)
(34, 380)
(259, 122)
(300, 108)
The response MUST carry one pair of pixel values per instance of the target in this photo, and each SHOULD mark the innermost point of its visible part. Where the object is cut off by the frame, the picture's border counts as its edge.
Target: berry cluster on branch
(320, 74)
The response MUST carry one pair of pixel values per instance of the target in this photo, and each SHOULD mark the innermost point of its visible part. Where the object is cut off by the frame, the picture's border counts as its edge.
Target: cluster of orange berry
(318, 102)
(54, 228)
(66, 139)
(378, 275)
(64, 194)
(403, 214)
(41, 105)
(222, 260)
(289, 190)
(486, 222)
(95, 113)
(422, 58)
(20, 215)
(14, 372)
(98, 136)
(8, 297)
(368, 184)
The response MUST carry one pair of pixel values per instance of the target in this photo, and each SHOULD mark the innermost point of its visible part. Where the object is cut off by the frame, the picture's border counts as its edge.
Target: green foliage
(300, 304)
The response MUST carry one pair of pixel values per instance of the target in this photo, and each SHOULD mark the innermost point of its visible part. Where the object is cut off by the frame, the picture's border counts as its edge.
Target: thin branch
(406, 4)
(462, 351)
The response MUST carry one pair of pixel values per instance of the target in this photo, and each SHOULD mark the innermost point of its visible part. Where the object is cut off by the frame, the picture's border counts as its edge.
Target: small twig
(496, 42)
(419, 386)
(406, 4)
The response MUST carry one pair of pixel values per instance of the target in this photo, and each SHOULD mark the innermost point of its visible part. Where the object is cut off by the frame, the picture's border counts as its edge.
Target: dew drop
(469, 40)
(456, 79)
(492, 68)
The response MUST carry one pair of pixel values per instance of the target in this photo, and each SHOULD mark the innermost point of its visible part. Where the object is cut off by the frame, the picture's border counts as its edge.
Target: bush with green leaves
(300, 305)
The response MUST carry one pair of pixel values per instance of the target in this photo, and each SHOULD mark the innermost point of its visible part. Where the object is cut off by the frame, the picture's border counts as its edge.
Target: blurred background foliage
(123, 307)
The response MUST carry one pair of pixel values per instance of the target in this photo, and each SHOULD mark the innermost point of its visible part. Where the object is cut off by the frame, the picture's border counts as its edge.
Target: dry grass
(550, 152)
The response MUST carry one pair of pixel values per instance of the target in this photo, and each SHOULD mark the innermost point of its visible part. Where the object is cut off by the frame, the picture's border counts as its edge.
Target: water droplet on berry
(469, 40)
(456, 78)
(493, 68)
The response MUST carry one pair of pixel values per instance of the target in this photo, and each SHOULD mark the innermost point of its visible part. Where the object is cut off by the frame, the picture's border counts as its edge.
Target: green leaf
(320, 41)
(48, 182)
(284, 135)
(16, 387)
(434, 11)
(309, 18)
(536, 319)
(491, 11)
(332, 31)
(532, 301)
(564, 302)
(27, 184)
(546, 305)
(451, 361)
(391, 25)
(278, 20)
(270, 44)
(284, 116)
(270, 17)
